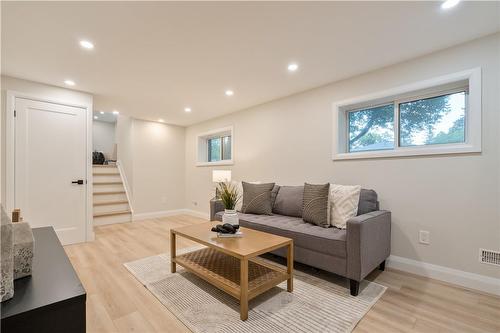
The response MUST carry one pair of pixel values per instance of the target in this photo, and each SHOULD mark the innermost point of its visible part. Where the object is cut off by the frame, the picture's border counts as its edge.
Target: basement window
(215, 147)
(438, 116)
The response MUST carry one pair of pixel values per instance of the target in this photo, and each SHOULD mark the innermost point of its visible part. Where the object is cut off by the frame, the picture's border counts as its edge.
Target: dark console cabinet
(52, 299)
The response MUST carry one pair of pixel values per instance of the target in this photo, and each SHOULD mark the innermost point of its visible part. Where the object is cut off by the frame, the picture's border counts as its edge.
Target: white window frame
(423, 89)
(202, 146)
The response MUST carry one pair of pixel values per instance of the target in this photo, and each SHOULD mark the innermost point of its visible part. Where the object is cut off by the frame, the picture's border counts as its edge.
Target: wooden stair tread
(107, 203)
(105, 173)
(103, 166)
(109, 192)
(119, 212)
(107, 183)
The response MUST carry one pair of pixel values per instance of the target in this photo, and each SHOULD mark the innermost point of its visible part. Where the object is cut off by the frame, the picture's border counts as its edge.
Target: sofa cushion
(329, 241)
(257, 198)
(289, 201)
(367, 201)
(315, 207)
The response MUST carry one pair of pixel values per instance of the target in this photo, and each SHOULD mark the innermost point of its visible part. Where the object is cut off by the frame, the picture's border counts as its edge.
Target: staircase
(110, 199)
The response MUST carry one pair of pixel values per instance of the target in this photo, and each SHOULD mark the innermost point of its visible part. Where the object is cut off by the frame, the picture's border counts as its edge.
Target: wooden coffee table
(232, 264)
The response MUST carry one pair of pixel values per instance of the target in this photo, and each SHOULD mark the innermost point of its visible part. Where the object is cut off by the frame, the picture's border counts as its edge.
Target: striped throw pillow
(315, 204)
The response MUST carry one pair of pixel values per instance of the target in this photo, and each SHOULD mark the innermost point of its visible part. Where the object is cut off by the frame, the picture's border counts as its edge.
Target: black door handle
(79, 182)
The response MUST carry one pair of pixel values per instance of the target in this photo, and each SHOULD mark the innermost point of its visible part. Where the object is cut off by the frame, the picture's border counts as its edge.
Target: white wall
(152, 155)
(124, 139)
(103, 137)
(456, 198)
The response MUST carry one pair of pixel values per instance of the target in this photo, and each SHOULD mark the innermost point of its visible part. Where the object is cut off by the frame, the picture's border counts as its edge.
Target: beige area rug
(317, 304)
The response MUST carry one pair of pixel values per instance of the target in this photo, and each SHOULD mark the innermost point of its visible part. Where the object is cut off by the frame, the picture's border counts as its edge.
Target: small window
(215, 147)
(437, 116)
(219, 148)
(371, 129)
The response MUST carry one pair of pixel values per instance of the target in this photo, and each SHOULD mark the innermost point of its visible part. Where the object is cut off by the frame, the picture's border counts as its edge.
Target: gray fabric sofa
(352, 253)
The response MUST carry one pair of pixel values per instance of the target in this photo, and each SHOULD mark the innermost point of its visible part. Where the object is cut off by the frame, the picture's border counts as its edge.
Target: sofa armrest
(215, 207)
(368, 243)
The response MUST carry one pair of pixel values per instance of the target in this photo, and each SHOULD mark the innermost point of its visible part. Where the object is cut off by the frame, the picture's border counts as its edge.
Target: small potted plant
(228, 194)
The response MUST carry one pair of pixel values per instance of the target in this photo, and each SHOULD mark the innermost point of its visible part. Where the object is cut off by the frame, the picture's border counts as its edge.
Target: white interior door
(50, 154)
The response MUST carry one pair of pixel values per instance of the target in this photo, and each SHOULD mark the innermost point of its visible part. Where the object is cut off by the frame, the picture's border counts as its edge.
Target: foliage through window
(219, 148)
(437, 119)
(226, 148)
(371, 129)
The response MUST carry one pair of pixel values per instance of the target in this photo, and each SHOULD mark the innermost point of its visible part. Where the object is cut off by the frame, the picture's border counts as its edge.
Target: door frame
(10, 126)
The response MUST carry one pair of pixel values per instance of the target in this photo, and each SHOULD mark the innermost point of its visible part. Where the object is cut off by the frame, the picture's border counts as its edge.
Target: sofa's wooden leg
(354, 287)
(382, 266)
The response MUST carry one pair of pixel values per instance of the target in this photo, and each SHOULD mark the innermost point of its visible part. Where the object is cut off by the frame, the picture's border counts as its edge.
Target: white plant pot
(230, 216)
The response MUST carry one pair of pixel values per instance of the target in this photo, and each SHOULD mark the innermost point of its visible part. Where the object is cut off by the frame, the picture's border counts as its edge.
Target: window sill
(409, 151)
(204, 164)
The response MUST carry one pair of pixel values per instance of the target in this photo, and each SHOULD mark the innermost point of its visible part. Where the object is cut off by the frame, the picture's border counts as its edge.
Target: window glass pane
(436, 120)
(226, 148)
(214, 149)
(371, 129)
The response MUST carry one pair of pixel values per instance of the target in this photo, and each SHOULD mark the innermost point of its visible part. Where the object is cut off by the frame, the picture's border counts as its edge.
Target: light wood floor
(116, 302)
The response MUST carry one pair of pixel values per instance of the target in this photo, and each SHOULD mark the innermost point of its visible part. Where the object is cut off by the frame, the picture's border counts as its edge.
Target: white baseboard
(465, 279)
(197, 214)
(161, 213)
(165, 213)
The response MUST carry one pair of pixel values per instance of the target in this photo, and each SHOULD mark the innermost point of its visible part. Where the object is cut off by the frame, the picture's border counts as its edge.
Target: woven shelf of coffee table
(223, 271)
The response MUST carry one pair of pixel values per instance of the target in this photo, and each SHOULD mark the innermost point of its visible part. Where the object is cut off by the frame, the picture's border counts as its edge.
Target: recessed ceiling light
(96, 117)
(161, 120)
(101, 112)
(69, 82)
(187, 109)
(116, 112)
(449, 3)
(293, 67)
(86, 44)
(229, 93)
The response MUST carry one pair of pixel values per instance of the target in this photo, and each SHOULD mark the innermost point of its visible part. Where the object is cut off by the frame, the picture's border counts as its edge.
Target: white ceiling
(153, 59)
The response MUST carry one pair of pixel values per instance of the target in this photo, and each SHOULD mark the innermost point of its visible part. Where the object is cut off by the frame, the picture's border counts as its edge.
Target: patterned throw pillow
(257, 198)
(344, 204)
(315, 204)
(239, 188)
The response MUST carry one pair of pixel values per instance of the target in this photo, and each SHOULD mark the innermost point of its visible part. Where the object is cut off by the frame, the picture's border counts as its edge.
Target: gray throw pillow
(289, 201)
(257, 198)
(315, 204)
